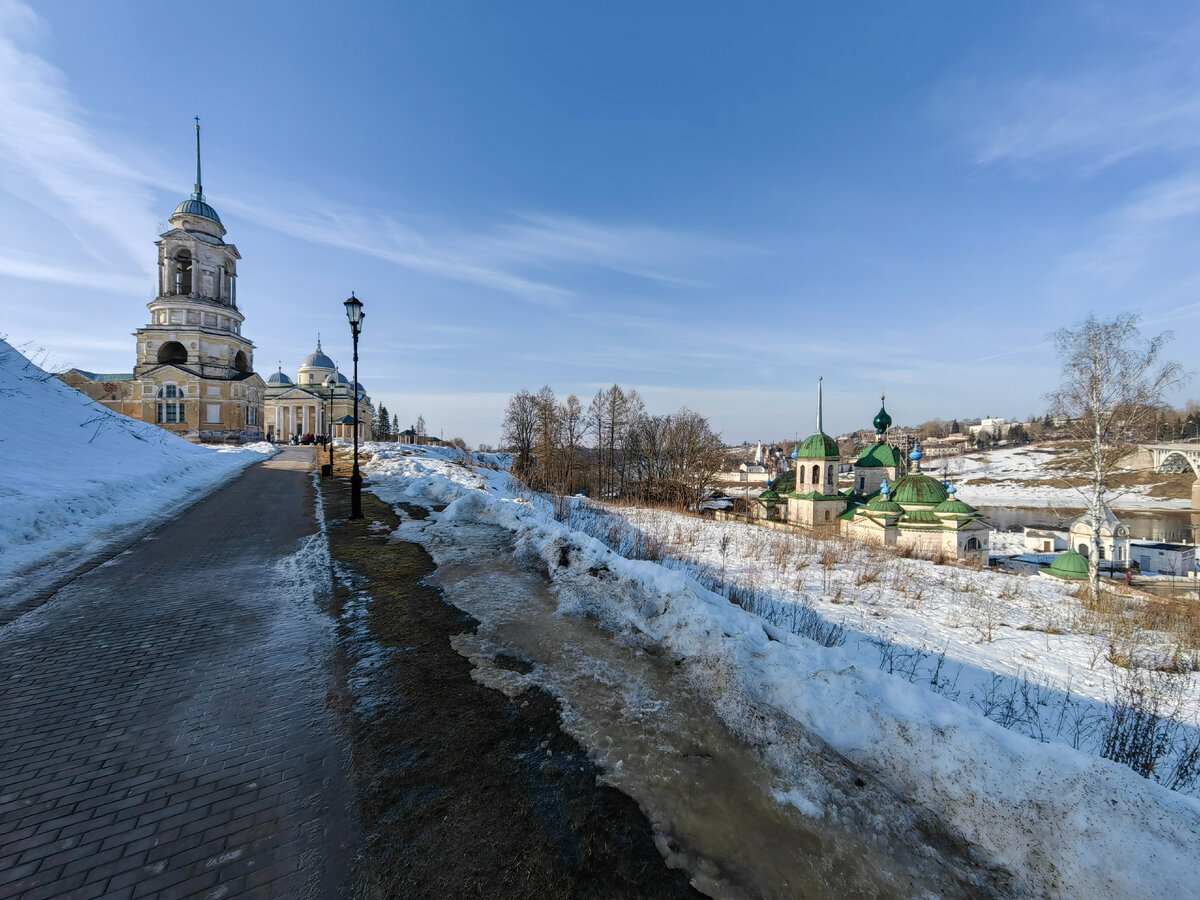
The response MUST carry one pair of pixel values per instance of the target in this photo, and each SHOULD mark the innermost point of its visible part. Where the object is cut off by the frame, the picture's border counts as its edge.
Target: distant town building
(1038, 540)
(194, 371)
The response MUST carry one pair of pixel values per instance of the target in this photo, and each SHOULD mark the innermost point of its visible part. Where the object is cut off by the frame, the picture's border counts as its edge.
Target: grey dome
(342, 379)
(194, 206)
(317, 360)
(279, 378)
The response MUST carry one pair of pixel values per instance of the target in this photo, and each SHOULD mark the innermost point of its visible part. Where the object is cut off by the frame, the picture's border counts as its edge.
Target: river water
(1172, 525)
(714, 800)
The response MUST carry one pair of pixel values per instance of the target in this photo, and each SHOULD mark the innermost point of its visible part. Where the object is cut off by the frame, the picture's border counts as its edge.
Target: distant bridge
(1175, 458)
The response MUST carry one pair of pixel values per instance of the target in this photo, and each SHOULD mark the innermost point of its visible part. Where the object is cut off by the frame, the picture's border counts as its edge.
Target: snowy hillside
(1064, 823)
(1025, 476)
(78, 477)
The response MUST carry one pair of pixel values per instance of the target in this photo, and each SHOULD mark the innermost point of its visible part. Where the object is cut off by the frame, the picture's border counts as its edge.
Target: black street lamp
(354, 312)
(327, 408)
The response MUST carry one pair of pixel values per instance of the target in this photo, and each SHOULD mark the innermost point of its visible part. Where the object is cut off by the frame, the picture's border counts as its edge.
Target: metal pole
(355, 478)
(329, 428)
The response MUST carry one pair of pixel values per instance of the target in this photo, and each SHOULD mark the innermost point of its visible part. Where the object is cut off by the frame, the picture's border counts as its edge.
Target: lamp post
(354, 312)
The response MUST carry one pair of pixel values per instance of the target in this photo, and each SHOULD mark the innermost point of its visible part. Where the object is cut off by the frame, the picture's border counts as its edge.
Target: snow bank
(79, 477)
(1061, 822)
(1025, 476)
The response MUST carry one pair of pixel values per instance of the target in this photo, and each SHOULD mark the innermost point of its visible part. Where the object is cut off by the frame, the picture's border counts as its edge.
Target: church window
(1119, 554)
(183, 272)
(816, 475)
(170, 405)
(1100, 552)
(800, 475)
(862, 483)
(212, 413)
(240, 362)
(973, 544)
(1082, 550)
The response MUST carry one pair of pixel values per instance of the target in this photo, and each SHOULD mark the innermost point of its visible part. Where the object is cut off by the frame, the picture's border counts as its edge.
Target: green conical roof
(918, 489)
(1070, 566)
(819, 446)
(880, 455)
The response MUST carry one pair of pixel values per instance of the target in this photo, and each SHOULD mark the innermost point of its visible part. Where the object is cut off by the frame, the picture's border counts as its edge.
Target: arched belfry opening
(240, 362)
(183, 272)
(172, 352)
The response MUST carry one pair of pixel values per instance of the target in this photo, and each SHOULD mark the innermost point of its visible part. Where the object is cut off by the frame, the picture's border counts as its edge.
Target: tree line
(613, 448)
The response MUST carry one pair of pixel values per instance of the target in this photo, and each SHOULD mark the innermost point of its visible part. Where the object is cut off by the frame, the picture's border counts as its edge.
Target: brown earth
(462, 791)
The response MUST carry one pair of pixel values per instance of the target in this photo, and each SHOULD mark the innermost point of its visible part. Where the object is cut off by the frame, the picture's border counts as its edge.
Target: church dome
(884, 505)
(952, 507)
(195, 206)
(918, 489)
(279, 378)
(1070, 566)
(818, 446)
(317, 360)
(882, 421)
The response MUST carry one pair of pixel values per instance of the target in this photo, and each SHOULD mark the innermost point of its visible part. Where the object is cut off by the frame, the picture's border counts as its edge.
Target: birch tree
(1113, 382)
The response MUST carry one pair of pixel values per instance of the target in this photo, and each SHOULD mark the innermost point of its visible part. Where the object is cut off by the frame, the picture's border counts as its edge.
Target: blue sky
(714, 203)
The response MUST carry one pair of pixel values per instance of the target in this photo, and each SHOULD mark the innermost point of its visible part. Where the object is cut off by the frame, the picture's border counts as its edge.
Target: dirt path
(463, 792)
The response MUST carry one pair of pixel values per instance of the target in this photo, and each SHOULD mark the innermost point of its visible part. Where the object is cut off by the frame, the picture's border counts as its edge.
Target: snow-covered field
(79, 477)
(1065, 823)
(1024, 476)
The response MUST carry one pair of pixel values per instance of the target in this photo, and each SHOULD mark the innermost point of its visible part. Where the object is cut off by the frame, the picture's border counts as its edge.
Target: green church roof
(879, 504)
(785, 483)
(768, 495)
(819, 446)
(920, 517)
(1070, 566)
(955, 507)
(918, 489)
(879, 455)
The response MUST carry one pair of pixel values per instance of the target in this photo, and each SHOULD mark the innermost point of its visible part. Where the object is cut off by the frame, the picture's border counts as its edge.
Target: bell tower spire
(199, 192)
(820, 429)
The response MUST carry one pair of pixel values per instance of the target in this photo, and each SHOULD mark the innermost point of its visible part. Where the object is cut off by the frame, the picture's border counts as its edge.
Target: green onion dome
(882, 421)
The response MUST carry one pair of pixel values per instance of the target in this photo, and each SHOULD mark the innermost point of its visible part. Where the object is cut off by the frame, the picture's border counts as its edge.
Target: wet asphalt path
(163, 725)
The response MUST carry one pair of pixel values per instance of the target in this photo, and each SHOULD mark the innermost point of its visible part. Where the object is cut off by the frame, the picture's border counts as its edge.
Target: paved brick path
(163, 730)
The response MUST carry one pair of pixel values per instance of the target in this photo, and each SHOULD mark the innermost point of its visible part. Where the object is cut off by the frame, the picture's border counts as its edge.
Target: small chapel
(890, 500)
(194, 371)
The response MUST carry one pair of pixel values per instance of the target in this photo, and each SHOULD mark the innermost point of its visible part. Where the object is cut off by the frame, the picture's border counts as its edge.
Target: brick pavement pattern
(163, 724)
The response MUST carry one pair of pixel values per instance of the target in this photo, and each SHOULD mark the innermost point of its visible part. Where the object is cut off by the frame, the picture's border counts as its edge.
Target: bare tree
(574, 426)
(1113, 382)
(518, 430)
(547, 439)
(420, 426)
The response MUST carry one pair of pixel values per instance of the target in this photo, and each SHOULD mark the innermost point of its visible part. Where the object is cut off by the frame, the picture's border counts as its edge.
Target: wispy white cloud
(1144, 99)
(52, 160)
(52, 271)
